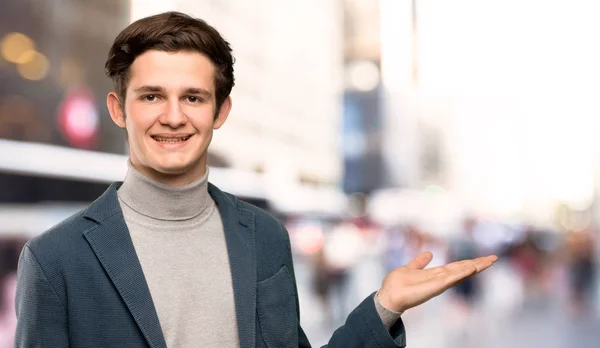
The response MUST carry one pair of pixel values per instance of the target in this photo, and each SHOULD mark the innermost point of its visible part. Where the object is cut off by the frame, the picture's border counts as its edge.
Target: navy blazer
(81, 285)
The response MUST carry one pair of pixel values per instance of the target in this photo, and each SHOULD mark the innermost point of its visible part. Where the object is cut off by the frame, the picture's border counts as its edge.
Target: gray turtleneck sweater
(178, 236)
(179, 239)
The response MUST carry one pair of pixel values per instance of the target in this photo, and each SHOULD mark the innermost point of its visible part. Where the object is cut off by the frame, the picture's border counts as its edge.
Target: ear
(223, 113)
(115, 109)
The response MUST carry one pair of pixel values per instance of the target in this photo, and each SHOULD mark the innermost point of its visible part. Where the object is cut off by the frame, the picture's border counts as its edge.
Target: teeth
(171, 140)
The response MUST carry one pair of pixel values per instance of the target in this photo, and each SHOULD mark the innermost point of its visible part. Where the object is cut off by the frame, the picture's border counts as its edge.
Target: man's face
(169, 114)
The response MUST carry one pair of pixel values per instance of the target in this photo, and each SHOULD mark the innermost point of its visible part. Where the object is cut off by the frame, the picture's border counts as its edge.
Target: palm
(411, 285)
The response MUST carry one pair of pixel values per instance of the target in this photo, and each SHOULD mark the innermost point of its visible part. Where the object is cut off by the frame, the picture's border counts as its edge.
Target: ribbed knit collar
(161, 201)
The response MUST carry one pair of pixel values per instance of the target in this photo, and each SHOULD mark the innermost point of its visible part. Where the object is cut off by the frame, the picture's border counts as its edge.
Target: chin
(175, 168)
(172, 170)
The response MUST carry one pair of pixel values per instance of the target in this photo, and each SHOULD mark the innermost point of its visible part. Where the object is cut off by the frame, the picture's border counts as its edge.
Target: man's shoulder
(64, 236)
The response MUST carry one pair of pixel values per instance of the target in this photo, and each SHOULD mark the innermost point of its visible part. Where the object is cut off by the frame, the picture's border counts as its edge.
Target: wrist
(385, 302)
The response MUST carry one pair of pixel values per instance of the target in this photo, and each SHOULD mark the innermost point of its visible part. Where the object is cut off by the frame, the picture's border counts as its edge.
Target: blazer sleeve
(41, 316)
(363, 328)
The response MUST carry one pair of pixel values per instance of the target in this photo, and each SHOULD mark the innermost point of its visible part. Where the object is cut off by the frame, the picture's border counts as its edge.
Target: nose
(173, 116)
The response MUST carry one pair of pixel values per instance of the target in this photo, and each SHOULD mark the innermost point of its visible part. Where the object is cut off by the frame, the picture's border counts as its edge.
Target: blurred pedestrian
(464, 247)
(581, 266)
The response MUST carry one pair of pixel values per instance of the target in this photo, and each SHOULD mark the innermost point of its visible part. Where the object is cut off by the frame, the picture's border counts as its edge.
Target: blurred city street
(372, 130)
(538, 323)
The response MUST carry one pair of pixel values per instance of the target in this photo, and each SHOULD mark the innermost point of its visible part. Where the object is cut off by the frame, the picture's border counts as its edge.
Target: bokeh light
(14, 45)
(363, 75)
(36, 68)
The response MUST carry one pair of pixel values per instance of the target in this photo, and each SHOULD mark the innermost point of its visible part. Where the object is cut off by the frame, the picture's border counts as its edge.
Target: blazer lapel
(112, 244)
(240, 237)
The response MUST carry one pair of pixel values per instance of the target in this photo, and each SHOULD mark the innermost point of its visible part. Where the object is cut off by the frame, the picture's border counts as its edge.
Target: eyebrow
(185, 90)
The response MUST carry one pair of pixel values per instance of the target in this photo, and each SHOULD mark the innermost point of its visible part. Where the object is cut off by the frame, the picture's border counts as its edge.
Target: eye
(150, 97)
(193, 99)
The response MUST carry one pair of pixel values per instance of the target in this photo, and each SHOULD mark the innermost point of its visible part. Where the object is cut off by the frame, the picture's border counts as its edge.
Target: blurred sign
(78, 119)
(49, 51)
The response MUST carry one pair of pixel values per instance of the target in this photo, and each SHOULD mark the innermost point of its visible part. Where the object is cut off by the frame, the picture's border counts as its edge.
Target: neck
(162, 200)
(181, 179)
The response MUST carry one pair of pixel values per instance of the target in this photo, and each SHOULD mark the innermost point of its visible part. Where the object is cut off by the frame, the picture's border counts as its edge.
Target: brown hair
(170, 32)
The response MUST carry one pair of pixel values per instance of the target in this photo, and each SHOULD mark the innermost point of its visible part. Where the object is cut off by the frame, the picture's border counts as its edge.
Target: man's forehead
(184, 59)
(172, 68)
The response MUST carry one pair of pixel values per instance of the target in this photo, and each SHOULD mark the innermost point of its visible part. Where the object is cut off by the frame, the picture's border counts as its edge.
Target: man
(165, 259)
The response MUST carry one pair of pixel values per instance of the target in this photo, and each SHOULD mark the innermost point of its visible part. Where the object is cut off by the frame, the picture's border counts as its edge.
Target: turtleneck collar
(161, 201)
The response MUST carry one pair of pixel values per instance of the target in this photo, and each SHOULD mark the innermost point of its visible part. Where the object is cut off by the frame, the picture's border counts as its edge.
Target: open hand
(411, 285)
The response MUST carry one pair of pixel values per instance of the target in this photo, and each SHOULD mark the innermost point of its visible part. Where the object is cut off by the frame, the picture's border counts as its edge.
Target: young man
(165, 259)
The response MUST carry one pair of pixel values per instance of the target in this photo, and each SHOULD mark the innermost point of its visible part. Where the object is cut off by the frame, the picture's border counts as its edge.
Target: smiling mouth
(171, 140)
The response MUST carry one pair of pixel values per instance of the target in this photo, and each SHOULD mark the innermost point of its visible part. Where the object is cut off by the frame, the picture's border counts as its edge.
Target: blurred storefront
(52, 74)
(52, 92)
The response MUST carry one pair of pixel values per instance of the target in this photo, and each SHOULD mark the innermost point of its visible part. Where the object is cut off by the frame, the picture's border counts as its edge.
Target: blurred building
(364, 170)
(502, 116)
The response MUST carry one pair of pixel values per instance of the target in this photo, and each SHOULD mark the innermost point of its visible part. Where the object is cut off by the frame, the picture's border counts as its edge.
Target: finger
(458, 274)
(491, 258)
(423, 291)
(461, 270)
(481, 263)
(421, 261)
(449, 268)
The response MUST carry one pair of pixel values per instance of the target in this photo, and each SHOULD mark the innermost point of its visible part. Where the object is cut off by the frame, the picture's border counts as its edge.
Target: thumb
(421, 261)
